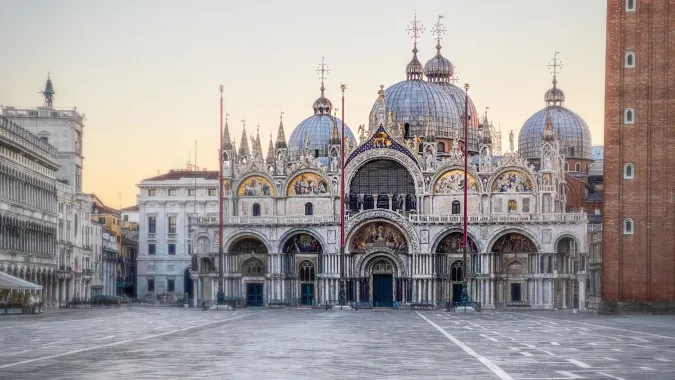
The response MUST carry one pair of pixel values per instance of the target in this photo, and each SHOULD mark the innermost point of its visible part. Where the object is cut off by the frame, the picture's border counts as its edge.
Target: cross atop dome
(323, 72)
(555, 96)
(414, 69)
(555, 64)
(438, 30)
(415, 29)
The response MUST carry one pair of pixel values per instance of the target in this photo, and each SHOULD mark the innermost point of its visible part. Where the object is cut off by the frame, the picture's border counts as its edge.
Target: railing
(17, 134)
(498, 218)
(152, 236)
(170, 236)
(43, 112)
(545, 188)
(264, 220)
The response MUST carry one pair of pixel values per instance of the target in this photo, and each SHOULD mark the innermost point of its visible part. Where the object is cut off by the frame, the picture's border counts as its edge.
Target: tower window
(309, 209)
(630, 5)
(577, 167)
(628, 226)
(628, 171)
(629, 60)
(441, 147)
(256, 209)
(455, 207)
(629, 116)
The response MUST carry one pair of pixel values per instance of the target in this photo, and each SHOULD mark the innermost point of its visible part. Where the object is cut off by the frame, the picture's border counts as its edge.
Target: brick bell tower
(638, 264)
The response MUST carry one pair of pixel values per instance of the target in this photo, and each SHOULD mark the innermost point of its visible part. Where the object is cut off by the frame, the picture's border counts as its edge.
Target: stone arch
(366, 261)
(506, 231)
(354, 165)
(502, 175)
(565, 235)
(322, 184)
(245, 186)
(298, 231)
(441, 237)
(206, 265)
(456, 270)
(363, 217)
(246, 234)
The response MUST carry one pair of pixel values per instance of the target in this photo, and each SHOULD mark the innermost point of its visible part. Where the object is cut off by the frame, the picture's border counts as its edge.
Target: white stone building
(109, 263)
(28, 214)
(166, 203)
(63, 129)
(96, 243)
(404, 184)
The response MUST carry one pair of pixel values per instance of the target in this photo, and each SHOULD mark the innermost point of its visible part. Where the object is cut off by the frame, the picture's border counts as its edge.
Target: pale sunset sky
(146, 73)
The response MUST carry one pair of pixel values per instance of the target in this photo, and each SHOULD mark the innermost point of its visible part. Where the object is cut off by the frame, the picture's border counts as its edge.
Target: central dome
(318, 128)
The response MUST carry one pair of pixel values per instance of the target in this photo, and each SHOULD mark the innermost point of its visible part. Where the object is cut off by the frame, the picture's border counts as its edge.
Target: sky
(146, 73)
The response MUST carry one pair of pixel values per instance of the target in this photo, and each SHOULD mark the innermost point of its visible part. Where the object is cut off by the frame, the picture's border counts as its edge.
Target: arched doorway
(187, 285)
(300, 259)
(376, 181)
(511, 251)
(382, 277)
(252, 259)
(568, 262)
(450, 264)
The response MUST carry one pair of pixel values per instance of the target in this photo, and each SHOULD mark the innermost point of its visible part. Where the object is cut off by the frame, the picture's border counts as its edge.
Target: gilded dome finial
(555, 96)
(322, 106)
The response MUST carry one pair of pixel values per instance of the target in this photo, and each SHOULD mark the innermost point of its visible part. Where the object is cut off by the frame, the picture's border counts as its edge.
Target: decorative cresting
(371, 256)
(382, 139)
(384, 216)
(452, 181)
(358, 161)
(255, 185)
(302, 243)
(452, 243)
(514, 242)
(308, 183)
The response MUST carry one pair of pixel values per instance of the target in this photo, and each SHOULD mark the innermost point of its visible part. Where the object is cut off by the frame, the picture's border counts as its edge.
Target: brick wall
(640, 267)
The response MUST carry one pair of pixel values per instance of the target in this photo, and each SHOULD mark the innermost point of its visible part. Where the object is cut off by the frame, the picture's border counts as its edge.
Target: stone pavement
(172, 343)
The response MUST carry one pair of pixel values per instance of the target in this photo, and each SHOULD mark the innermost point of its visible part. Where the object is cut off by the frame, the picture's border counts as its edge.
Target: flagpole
(465, 293)
(221, 294)
(341, 293)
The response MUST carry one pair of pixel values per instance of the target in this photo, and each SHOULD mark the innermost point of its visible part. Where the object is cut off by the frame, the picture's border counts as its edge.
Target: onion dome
(414, 69)
(322, 106)
(570, 129)
(439, 69)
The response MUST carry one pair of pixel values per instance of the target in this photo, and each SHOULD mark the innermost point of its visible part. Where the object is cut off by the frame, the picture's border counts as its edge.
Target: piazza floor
(172, 343)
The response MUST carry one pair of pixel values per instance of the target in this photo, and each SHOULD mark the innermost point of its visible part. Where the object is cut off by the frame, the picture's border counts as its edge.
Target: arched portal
(515, 257)
(382, 184)
(187, 285)
(248, 245)
(385, 289)
(253, 271)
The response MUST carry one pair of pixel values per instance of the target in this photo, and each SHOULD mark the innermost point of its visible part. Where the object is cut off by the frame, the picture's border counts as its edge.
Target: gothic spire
(243, 146)
(281, 136)
(227, 141)
(270, 151)
(258, 145)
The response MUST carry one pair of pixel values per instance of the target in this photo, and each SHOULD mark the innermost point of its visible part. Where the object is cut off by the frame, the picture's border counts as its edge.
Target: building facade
(404, 182)
(63, 129)
(28, 211)
(166, 203)
(109, 263)
(639, 208)
(96, 241)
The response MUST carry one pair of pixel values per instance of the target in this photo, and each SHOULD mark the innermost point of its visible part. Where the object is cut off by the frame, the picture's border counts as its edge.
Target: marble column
(582, 293)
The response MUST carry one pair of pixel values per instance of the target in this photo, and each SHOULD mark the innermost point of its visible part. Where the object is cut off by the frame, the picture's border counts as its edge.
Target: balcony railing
(265, 220)
(499, 218)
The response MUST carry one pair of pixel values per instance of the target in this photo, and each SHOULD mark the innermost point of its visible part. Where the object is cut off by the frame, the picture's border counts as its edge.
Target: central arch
(380, 281)
(376, 181)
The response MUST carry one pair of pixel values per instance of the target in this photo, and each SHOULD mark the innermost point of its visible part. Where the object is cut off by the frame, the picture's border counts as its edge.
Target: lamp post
(118, 290)
(341, 292)
(465, 293)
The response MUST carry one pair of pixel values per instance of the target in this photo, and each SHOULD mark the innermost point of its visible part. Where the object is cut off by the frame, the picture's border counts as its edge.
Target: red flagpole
(465, 296)
(341, 294)
(220, 202)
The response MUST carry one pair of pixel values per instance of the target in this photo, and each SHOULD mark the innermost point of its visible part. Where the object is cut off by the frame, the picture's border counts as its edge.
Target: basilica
(404, 205)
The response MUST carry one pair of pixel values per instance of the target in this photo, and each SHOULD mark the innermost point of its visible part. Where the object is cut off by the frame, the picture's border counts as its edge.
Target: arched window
(456, 271)
(628, 171)
(567, 166)
(629, 60)
(306, 271)
(256, 209)
(441, 147)
(586, 168)
(628, 226)
(406, 130)
(309, 208)
(253, 267)
(577, 167)
(629, 116)
(630, 5)
(455, 207)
